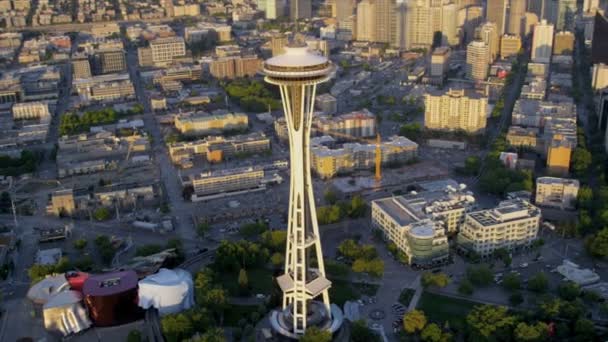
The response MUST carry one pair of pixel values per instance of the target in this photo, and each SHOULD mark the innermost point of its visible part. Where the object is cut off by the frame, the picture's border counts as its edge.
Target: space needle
(305, 286)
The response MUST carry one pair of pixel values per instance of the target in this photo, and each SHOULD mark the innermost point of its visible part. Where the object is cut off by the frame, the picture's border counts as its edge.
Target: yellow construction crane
(377, 142)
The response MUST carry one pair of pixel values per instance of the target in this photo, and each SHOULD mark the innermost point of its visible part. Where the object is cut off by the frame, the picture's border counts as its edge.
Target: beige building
(162, 51)
(277, 45)
(202, 123)
(189, 10)
(81, 67)
(478, 60)
(235, 67)
(226, 181)
(599, 76)
(105, 87)
(563, 43)
(524, 137)
(440, 59)
(385, 28)
(489, 34)
(31, 111)
(512, 225)
(542, 42)
(454, 110)
(509, 46)
(366, 21)
(62, 203)
(360, 124)
(557, 192)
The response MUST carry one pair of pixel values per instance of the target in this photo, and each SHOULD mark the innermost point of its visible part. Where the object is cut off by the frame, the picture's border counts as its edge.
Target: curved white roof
(169, 291)
(296, 57)
(42, 291)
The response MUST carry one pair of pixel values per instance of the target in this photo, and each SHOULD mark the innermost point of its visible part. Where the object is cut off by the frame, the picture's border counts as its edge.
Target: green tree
(176, 327)
(598, 246)
(584, 198)
(359, 332)
(134, 336)
(503, 254)
(211, 335)
(581, 159)
(80, 244)
(202, 229)
(584, 330)
(275, 240)
(102, 214)
(330, 197)
(511, 282)
(568, 290)
(538, 283)
(431, 333)
(414, 321)
(531, 332)
(146, 250)
(516, 298)
(465, 287)
(435, 279)
(488, 322)
(216, 301)
(314, 334)
(480, 275)
(243, 279)
(412, 131)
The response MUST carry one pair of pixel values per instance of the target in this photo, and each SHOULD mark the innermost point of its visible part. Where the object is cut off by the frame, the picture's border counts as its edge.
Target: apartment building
(328, 162)
(218, 148)
(509, 46)
(456, 109)
(235, 67)
(478, 60)
(162, 51)
(31, 111)
(109, 61)
(559, 154)
(440, 61)
(512, 225)
(563, 43)
(105, 87)
(226, 181)
(200, 123)
(326, 103)
(359, 124)
(555, 192)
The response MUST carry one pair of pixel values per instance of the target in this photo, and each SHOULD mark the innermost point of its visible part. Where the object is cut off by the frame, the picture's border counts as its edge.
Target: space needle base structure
(304, 284)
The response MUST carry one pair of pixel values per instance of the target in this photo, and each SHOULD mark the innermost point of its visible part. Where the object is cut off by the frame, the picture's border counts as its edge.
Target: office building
(564, 43)
(109, 61)
(278, 45)
(235, 67)
(517, 10)
(496, 12)
(366, 21)
(327, 104)
(478, 60)
(440, 59)
(559, 154)
(274, 9)
(509, 46)
(31, 111)
(473, 18)
(542, 42)
(226, 181)
(488, 33)
(449, 25)
(210, 31)
(105, 87)
(162, 51)
(328, 162)
(300, 9)
(530, 21)
(456, 109)
(385, 28)
(566, 12)
(81, 67)
(590, 6)
(555, 192)
(200, 123)
(512, 225)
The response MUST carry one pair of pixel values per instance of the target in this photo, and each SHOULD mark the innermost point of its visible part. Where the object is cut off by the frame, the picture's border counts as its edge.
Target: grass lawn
(234, 313)
(260, 281)
(440, 308)
(406, 296)
(342, 290)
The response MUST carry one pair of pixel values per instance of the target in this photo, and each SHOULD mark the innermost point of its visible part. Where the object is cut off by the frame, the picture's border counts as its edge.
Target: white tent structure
(65, 314)
(44, 290)
(169, 291)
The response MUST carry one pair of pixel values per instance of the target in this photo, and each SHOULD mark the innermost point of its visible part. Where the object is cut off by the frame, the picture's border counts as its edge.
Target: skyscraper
(419, 31)
(478, 59)
(297, 73)
(599, 43)
(474, 17)
(542, 42)
(366, 21)
(496, 11)
(488, 33)
(517, 12)
(566, 10)
(449, 24)
(385, 21)
(300, 9)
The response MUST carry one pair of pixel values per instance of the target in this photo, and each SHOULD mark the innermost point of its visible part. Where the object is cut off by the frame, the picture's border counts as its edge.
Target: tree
(435, 279)
(243, 279)
(80, 244)
(414, 321)
(277, 259)
(516, 298)
(202, 229)
(568, 290)
(102, 214)
(412, 131)
(314, 334)
(503, 254)
(431, 333)
(598, 246)
(584, 330)
(330, 197)
(511, 282)
(465, 287)
(359, 332)
(134, 336)
(480, 275)
(581, 159)
(211, 335)
(489, 322)
(176, 327)
(584, 198)
(538, 283)
(531, 332)
(216, 301)
(146, 250)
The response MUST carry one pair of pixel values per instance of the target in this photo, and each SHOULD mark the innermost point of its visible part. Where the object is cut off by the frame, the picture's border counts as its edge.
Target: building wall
(31, 110)
(454, 110)
(556, 192)
(509, 46)
(564, 43)
(478, 60)
(542, 43)
(558, 160)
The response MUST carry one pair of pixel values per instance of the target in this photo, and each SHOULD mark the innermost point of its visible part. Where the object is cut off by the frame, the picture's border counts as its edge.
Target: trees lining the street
(435, 279)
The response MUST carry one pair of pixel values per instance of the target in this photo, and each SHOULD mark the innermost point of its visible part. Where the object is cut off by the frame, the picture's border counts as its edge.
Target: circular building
(169, 291)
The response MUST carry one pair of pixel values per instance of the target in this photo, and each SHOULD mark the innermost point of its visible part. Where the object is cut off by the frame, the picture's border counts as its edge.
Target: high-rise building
(599, 76)
(274, 9)
(366, 21)
(297, 73)
(564, 43)
(300, 9)
(566, 10)
(488, 33)
(496, 12)
(440, 61)
(513, 224)
(473, 18)
(590, 6)
(517, 12)
(455, 110)
(478, 60)
(162, 51)
(109, 61)
(509, 46)
(449, 25)
(385, 21)
(278, 45)
(542, 42)
(599, 43)
(530, 21)
(419, 32)
(556, 192)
